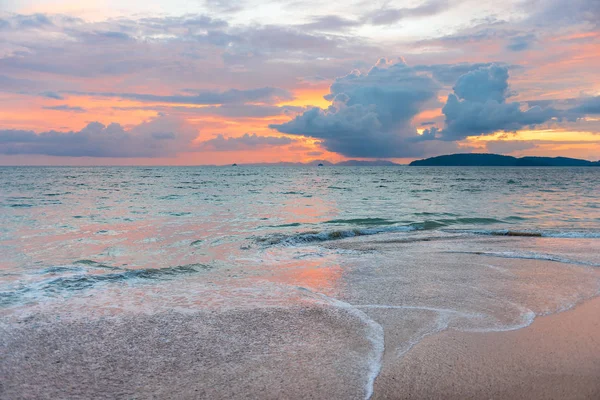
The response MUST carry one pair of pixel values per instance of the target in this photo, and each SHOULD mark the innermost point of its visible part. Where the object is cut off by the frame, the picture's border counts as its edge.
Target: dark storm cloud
(157, 138)
(478, 106)
(371, 113)
(245, 142)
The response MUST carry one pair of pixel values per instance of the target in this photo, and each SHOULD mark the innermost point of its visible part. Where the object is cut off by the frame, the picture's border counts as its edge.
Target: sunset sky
(174, 82)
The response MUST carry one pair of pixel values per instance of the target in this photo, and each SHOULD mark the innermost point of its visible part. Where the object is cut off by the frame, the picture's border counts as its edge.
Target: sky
(174, 82)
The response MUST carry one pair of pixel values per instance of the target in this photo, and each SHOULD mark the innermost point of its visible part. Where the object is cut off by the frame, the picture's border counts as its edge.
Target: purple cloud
(245, 142)
(478, 107)
(157, 138)
(371, 114)
(65, 107)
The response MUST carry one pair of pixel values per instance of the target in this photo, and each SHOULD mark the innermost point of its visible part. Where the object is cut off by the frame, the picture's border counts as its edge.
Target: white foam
(528, 256)
(441, 324)
(434, 309)
(375, 336)
(533, 233)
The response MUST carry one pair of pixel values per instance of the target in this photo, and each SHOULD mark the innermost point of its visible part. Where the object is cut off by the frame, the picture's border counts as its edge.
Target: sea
(389, 254)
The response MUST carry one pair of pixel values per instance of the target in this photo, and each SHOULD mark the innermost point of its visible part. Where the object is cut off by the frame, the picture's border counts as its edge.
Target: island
(497, 160)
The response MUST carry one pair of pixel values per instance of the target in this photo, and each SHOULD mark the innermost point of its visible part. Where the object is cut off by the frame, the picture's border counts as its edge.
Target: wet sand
(294, 353)
(259, 339)
(263, 353)
(556, 357)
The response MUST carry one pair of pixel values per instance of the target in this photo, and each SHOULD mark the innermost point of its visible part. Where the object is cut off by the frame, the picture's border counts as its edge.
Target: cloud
(177, 23)
(388, 16)
(267, 95)
(557, 13)
(226, 110)
(449, 73)
(52, 95)
(163, 136)
(65, 107)
(590, 105)
(330, 23)
(478, 106)
(521, 42)
(227, 6)
(489, 83)
(10, 84)
(371, 113)
(32, 21)
(245, 142)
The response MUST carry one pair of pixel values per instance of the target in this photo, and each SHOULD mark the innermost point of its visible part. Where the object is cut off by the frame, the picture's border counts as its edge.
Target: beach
(338, 283)
(556, 357)
(274, 339)
(289, 200)
(279, 354)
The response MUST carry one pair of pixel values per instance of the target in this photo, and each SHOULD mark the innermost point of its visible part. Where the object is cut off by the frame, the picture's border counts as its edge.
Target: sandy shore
(272, 353)
(293, 353)
(556, 357)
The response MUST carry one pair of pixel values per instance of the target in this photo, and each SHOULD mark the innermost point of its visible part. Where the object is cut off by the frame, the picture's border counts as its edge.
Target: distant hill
(497, 160)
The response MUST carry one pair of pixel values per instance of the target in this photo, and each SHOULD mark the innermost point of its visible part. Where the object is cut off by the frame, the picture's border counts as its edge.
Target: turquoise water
(70, 229)
(338, 271)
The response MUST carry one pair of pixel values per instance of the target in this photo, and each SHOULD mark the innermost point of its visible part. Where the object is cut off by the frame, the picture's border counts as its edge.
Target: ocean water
(392, 254)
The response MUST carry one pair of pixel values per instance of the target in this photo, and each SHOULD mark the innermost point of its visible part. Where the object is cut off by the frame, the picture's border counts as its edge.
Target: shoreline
(557, 356)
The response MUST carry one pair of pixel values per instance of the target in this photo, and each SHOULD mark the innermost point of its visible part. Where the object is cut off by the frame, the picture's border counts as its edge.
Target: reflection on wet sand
(317, 325)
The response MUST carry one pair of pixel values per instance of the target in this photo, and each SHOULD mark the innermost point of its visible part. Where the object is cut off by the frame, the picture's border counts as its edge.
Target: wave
(322, 236)
(531, 233)
(439, 223)
(81, 278)
(362, 221)
(375, 226)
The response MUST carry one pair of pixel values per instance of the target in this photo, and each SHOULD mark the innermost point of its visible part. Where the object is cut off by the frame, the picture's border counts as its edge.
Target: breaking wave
(531, 233)
(80, 276)
(365, 227)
